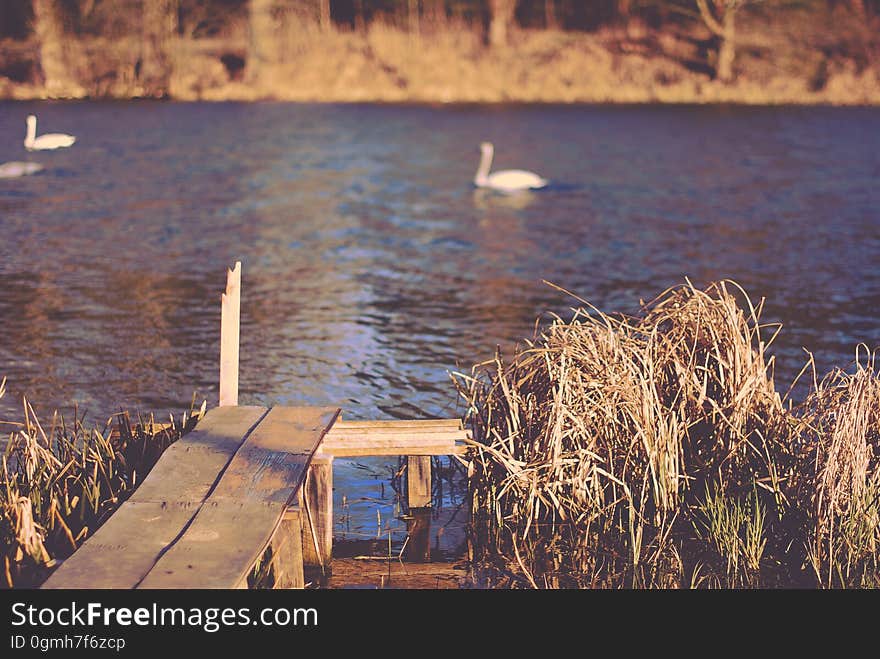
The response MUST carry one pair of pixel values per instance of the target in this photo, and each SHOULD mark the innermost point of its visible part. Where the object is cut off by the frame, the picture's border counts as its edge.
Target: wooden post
(418, 480)
(317, 513)
(418, 494)
(418, 528)
(287, 551)
(230, 312)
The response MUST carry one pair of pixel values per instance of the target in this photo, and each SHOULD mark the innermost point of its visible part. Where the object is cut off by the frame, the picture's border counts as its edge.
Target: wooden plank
(287, 551)
(379, 434)
(230, 313)
(396, 446)
(394, 424)
(124, 549)
(234, 526)
(418, 481)
(317, 513)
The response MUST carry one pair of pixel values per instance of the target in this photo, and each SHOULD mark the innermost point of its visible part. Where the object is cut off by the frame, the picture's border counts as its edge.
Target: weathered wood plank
(347, 447)
(126, 547)
(385, 434)
(234, 526)
(395, 424)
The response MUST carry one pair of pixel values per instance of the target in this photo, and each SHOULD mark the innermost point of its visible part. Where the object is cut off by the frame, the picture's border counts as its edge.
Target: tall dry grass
(655, 451)
(841, 420)
(59, 483)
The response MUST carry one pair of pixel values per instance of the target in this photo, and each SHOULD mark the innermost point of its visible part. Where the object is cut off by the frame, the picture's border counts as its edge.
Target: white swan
(44, 142)
(16, 168)
(507, 180)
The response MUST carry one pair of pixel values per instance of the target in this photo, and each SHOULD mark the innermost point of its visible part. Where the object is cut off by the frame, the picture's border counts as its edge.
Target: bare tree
(324, 13)
(158, 33)
(434, 12)
(720, 17)
(412, 17)
(54, 58)
(551, 22)
(360, 20)
(264, 38)
(501, 14)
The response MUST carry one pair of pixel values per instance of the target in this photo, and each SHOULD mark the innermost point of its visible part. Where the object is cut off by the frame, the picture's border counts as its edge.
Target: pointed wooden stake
(230, 312)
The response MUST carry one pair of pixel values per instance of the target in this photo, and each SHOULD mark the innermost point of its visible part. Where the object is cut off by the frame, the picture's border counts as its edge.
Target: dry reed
(655, 451)
(57, 486)
(841, 427)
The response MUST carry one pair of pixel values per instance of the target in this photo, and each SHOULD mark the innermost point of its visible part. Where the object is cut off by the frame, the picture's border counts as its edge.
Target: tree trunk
(501, 14)
(264, 43)
(324, 8)
(857, 7)
(412, 17)
(159, 31)
(725, 29)
(551, 22)
(49, 28)
(434, 13)
(727, 49)
(360, 21)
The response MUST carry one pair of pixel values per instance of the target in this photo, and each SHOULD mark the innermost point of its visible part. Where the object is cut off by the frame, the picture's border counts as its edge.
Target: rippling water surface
(371, 266)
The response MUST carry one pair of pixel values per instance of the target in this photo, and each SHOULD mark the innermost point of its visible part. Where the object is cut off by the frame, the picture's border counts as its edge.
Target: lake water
(372, 268)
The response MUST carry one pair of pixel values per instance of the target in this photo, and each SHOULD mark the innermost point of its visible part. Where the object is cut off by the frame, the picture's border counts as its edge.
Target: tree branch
(709, 19)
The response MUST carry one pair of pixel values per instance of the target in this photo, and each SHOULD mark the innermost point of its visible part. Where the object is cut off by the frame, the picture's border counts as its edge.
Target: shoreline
(623, 65)
(220, 96)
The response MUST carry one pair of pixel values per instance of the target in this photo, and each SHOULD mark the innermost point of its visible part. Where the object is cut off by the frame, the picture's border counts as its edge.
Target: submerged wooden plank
(125, 548)
(234, 526)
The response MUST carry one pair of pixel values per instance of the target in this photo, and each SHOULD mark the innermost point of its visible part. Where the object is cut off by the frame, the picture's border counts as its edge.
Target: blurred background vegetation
(440, 50)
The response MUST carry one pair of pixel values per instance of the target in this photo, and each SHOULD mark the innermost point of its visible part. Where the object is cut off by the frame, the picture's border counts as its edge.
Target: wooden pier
(250, 490)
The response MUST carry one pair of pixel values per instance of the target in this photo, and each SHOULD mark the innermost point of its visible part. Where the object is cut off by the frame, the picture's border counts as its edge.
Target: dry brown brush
(59, 483)
(655, 451)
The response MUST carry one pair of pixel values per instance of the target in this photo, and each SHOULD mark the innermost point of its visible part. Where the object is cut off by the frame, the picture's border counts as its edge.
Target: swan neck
(31, 132)
(483, 169)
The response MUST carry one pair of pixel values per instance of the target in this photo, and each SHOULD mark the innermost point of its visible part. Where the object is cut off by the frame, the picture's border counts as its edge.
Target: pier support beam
(287, 551)
(317, 512)
(418, 523)
(418, 480)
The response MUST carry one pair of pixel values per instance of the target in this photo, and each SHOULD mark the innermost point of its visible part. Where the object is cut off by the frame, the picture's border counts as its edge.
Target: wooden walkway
(248, 483)
(237, 485)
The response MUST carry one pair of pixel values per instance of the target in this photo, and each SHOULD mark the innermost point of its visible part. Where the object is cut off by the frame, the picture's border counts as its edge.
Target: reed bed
(655, 451)
(59, 482)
